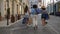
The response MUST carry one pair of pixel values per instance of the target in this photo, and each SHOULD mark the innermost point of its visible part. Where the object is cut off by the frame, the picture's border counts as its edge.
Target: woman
(26, 12)
(27, 16)
(44, 16)
(34, 16)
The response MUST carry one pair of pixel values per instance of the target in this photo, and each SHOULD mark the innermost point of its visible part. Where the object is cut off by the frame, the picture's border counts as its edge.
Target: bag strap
(36, 11)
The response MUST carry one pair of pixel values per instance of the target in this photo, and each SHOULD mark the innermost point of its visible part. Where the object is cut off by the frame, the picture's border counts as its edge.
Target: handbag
(30, 20)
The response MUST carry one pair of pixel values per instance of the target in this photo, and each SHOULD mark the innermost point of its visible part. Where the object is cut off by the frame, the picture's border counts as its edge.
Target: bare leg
(35, 23)
(43, 22)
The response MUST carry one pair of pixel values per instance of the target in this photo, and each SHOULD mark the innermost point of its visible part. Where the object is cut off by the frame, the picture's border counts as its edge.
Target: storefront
(59, 6)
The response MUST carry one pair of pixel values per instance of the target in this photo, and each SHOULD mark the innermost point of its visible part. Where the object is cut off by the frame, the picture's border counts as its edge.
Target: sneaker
(46, 22)
(35, 28)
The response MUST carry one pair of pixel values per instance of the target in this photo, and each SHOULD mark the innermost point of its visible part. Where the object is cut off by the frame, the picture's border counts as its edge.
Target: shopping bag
(30, 21)
(24, 21)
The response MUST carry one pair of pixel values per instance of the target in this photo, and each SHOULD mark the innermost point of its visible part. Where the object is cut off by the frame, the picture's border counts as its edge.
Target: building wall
(25, 1)
(55, 8)
(58, 6)
(4, 6)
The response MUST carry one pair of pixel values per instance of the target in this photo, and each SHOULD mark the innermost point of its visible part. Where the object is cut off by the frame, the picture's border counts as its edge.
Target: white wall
(2, 7)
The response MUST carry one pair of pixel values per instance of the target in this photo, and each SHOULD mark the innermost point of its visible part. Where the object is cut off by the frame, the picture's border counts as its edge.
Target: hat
(43, 7)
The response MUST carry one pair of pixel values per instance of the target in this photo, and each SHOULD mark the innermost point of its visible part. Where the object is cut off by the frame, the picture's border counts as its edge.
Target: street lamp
(53, 7)
(8, 12)
(17, 11)
(0, 13)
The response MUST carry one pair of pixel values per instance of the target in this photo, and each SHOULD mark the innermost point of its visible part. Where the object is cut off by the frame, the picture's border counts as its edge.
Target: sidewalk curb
(13, 23)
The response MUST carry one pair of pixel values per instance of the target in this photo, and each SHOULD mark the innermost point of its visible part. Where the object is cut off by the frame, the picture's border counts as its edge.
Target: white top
(27, 14)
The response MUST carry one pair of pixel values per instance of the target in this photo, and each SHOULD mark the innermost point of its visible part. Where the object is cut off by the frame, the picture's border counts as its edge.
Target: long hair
(25, 9)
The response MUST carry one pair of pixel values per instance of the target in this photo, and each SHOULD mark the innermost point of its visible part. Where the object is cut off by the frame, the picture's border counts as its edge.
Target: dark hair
(43, 8)
(34, 6)
(26, 9)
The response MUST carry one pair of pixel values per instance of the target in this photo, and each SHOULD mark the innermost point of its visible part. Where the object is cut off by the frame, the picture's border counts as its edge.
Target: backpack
(36, 11)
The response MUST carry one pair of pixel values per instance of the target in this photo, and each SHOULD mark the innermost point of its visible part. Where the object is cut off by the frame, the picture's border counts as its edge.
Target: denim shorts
(45, 16)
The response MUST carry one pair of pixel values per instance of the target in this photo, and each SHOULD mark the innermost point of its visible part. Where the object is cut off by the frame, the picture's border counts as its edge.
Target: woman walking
(44, 16)
(34, 16)
(26, 15)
